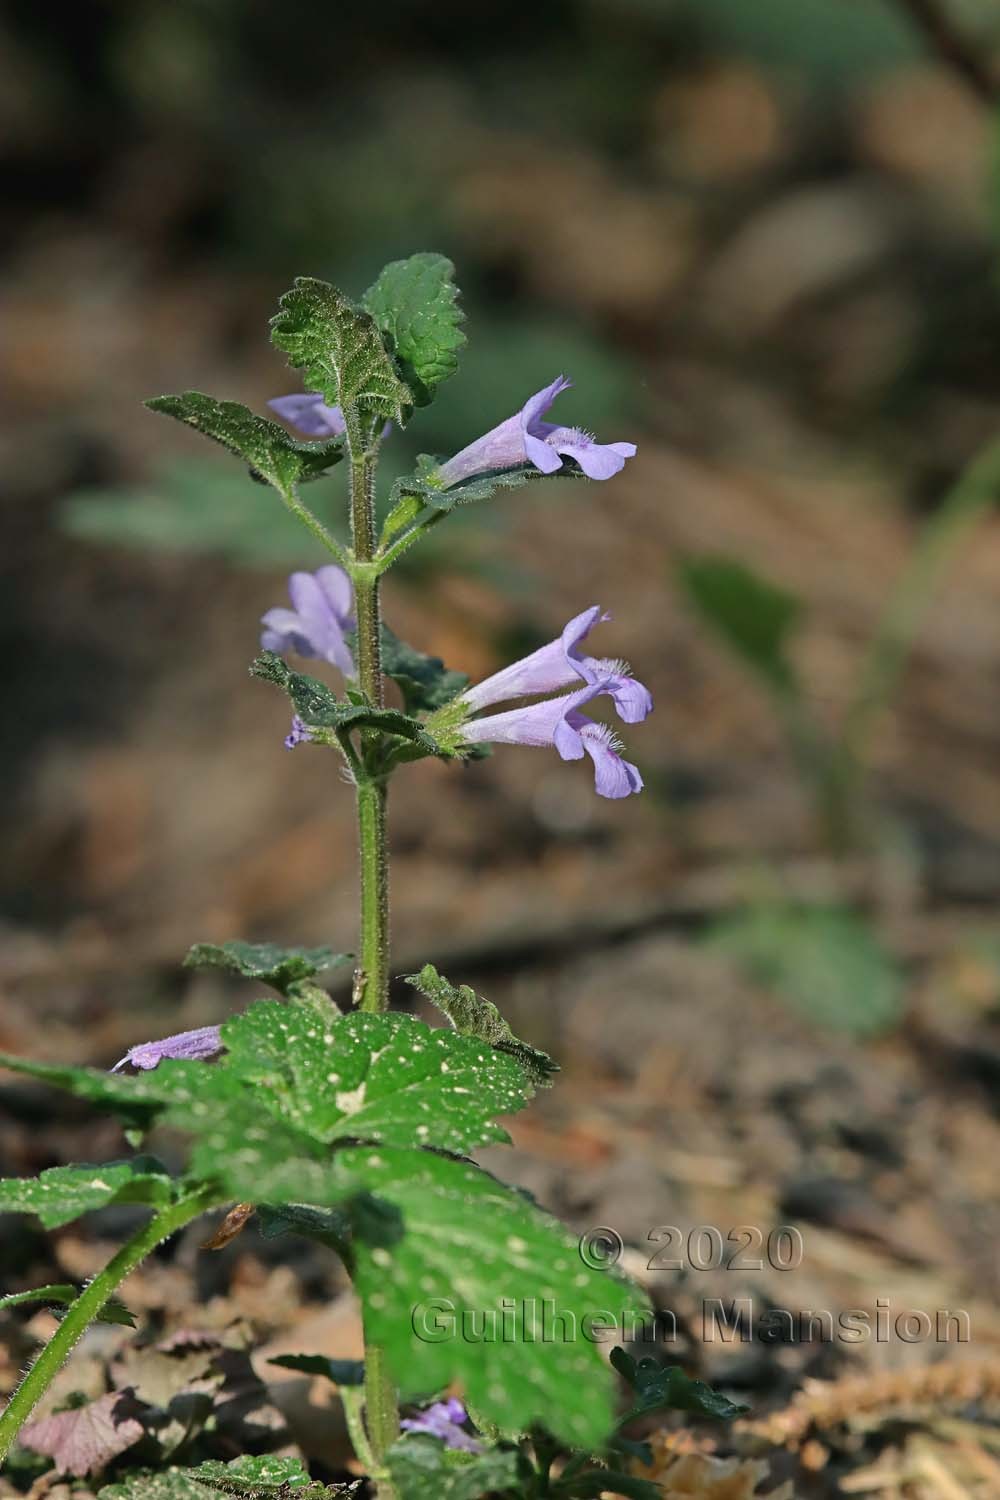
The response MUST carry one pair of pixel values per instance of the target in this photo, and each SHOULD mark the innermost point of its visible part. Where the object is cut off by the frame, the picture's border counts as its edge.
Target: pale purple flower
(191, 1046)
(559, 723)
(311, 415)
(323, 613)
(526, 438)
(560, 664)
(444, 1420)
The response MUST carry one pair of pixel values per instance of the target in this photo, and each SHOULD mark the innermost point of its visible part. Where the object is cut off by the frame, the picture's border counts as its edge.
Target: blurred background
(764, 241)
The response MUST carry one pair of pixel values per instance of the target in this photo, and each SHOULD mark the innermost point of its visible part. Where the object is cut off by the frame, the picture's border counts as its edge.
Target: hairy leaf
(477, 1259)
(423, 486)
(339, 349)
(279, 459)
(422, 1468)
(117, 1093)
(424, 681)
(253, 1476)
(320, 709)
(372, 1077)
(61, 1194)
(657, 1386)
(61, 1294)
(86, 1438)
(471, 1015)
(415, 302)
(753, 617)
(281, 968)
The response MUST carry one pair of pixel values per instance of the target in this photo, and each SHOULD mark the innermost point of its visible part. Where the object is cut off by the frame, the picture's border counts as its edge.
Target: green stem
(372, 983)
(302, 513)
(373, 964)
(940, 539)
(89, 1303)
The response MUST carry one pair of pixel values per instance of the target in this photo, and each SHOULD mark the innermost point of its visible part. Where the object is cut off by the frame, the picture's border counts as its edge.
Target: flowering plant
(355, 1128)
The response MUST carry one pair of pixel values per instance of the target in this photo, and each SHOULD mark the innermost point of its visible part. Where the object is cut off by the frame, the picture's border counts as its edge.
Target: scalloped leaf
(86, 1438)
(281, 968)
(415, 302)
(659, 1386)
(421, 485)
(471, 1015)
(474, 1246)
(424, 681)
(422, 1468)
(271, 453)
(339, 349)
(383, 1077)
(320, 709)
(61, 1194)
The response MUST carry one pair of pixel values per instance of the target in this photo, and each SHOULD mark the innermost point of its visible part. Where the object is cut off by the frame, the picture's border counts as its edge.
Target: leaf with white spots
(423, 1468)
(384, 1078)
(64, 1193)
(484, 1290)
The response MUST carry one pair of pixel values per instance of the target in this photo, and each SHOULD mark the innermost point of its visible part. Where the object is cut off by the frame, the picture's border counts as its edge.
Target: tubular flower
(191, 1046)
(559, 723)
(323, 613)
(444, 1420)
(560, 664)
(526, 438)
(310, 414)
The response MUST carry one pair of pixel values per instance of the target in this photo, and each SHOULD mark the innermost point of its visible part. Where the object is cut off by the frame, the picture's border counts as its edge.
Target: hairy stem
(372, 981)
(84, 1310)
(302, 513)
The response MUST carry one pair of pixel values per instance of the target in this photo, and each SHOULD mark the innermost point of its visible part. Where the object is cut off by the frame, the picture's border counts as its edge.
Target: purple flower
(323, 612)
(560, 664)
(311, 415)
(193, 1046)
(559, 723)
(525, 438)
(444, 1420)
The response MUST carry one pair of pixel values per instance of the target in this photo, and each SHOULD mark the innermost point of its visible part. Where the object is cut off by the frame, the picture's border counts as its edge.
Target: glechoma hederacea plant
(355, 1128)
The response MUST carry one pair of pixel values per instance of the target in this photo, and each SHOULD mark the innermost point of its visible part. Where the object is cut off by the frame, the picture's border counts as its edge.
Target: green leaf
(320, 709)
(415, 302)
(422, 484)
(753, 617)
(827, 961)
(372, 1077)
(327, 1226)
(253, 1476)
(61, 1294)
(339, 349)
(281, 968)
(64, 1193)
(471, 1015)
(659, 1386)
(279, 459)
(424, 681)
(194, 505)
(473, 1248)
(340, 1371)
(422, 1468)
(599, 1482)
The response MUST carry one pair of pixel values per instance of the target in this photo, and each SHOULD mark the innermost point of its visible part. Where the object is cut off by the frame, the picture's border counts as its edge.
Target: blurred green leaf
(61, 1194)
(826, 960)
(422, 1468)
(194, 506)
(340, 1371)
(753, 617)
